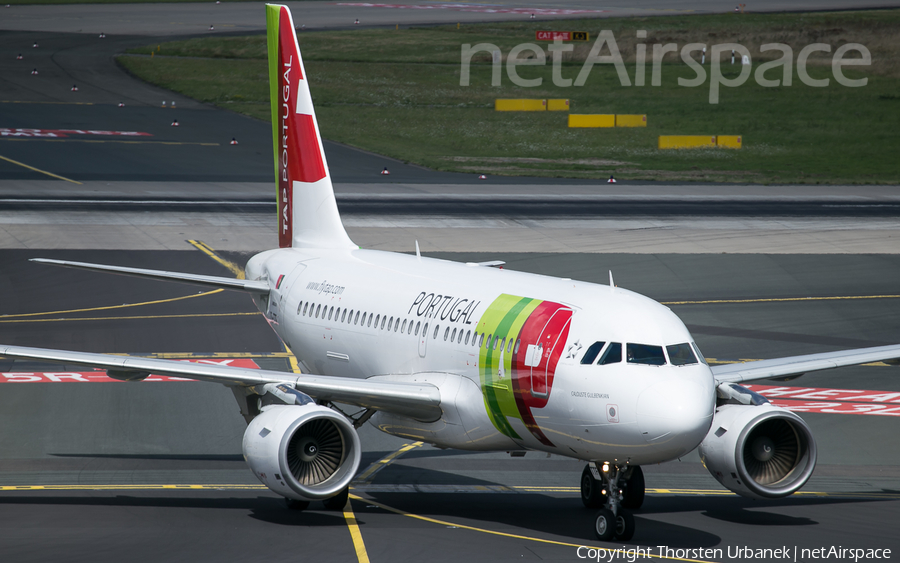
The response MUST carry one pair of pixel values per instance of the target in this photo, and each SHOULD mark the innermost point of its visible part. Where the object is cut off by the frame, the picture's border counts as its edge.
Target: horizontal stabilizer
(259, 287)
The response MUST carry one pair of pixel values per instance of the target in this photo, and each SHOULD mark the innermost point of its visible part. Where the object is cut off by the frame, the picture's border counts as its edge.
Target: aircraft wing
(252, 286)
(420, 401)
(798, 365)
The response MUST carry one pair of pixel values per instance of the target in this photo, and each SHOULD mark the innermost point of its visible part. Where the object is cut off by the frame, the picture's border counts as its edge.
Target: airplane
(468, 355)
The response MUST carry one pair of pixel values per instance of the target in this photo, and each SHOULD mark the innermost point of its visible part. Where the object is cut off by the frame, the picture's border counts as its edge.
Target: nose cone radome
(675, 413)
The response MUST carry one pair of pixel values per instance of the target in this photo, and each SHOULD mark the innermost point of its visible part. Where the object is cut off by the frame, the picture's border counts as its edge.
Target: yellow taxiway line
(780, 299)
(359, 545)
(206, 249)
(110, 307)
(466, 488)
(503, 534)
(132, 318)
(51, 174)
(366, 476)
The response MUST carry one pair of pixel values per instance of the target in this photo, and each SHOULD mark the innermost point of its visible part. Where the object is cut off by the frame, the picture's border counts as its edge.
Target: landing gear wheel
(605, 525)
(634, 489)
(624, 525)
(338, 501)
(296, 504)
(591, 489)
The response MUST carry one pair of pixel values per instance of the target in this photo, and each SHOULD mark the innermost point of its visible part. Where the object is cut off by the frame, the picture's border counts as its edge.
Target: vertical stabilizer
(307, 211)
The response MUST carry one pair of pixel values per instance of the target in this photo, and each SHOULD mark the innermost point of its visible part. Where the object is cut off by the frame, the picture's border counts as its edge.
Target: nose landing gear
(613, 489)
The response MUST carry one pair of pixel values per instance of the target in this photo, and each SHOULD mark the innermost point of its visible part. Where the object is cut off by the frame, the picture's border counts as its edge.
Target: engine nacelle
(759, 451)
(302, 452)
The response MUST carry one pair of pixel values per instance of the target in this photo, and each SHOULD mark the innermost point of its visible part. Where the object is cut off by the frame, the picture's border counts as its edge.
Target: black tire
(605, 525)
(624, 525)
(338, 501)
(296, 504)
(591, 489)
(634, 489)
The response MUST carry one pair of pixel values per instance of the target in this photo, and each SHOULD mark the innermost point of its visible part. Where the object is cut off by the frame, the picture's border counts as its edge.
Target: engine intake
(759, 451)
(303, 452)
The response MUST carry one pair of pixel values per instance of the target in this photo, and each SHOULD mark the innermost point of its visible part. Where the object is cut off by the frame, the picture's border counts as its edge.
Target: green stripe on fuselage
(503, 319)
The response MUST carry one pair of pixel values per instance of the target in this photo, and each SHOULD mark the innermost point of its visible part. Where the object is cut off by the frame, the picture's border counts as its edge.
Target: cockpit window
(699, 353)
(645, 354)
(613, 354)
(592, 352)
(681, 354)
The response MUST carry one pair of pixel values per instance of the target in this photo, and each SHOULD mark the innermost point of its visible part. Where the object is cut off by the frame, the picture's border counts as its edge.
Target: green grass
(398, 93)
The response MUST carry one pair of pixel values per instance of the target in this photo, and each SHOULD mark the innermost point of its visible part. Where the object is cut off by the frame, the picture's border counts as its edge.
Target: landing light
(605, 467)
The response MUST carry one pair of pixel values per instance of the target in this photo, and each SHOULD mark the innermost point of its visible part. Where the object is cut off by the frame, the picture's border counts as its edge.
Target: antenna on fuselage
(612, 284)
(418, 255)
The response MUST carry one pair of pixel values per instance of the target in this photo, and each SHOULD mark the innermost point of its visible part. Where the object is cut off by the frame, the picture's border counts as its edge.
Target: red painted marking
(63, 133)
(312, 168)
(548, 325)
(101, 377)
(553, 35)
(300, 158)
(838, 408)
(831, 401)
(822, 394)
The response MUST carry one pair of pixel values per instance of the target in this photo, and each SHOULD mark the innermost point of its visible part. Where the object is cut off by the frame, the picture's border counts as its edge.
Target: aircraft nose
(675, 411)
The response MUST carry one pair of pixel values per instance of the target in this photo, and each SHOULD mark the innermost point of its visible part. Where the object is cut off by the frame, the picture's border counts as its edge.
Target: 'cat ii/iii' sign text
(561, 35)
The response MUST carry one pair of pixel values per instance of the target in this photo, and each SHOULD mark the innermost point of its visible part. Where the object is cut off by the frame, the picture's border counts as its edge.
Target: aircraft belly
(463, 425)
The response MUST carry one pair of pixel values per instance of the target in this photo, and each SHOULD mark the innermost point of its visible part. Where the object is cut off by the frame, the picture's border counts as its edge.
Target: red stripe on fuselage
(546, 325)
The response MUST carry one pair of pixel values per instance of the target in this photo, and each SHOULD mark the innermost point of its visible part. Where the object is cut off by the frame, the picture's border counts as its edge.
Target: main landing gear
(615, 490)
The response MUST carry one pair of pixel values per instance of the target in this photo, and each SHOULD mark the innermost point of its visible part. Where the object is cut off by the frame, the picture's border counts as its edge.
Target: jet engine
(302, 452)
(758, 450)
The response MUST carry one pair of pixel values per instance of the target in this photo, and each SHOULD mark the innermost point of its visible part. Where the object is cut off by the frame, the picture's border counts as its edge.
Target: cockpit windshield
(645, 354)
(592, 352)
(681, 354)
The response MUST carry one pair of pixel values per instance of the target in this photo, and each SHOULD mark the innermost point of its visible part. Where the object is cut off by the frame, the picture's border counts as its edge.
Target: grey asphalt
(189, 433)
(181, 19)
(183, 433)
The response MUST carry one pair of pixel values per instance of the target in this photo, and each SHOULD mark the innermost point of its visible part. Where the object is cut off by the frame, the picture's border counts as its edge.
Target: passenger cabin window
(612, 355)
(681, 354)
(645, 354)
(592, 352)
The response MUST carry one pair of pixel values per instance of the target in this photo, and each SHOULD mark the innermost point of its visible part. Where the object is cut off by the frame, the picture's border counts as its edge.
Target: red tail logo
(300, 158)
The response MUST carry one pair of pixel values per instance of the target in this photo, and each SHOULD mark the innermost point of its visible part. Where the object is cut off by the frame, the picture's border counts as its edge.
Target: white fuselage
(520, 383)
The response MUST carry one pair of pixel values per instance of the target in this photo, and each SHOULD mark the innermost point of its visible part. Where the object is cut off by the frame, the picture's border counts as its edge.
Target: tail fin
(307, 211)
